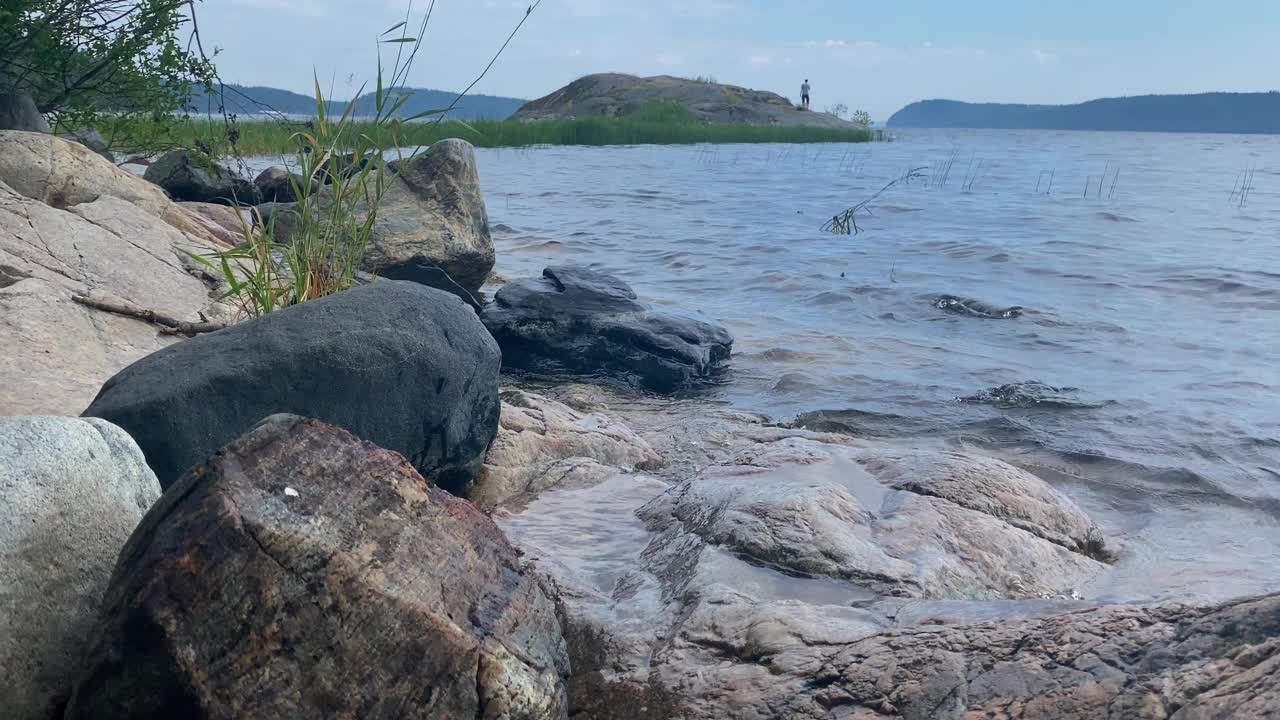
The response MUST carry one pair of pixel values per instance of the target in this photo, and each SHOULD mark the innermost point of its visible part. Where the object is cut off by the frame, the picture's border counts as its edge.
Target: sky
(876, 56)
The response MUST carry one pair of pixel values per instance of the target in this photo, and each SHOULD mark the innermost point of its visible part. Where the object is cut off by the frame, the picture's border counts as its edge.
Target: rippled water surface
(1151, 304)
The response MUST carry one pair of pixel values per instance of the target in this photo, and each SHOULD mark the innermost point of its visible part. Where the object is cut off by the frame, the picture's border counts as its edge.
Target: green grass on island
(658, 125)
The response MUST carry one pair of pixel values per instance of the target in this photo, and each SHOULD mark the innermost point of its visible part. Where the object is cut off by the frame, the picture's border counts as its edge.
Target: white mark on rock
(290, 492)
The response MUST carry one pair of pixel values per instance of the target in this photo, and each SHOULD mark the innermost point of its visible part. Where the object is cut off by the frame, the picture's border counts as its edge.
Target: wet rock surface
(542, 443)
(302, 572)
(581, 320)
(788, 574)
(399, 364)
(71, 493)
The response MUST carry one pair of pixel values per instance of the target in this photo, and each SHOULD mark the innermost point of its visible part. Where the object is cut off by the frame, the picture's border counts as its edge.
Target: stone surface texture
(401, 365)
(585, 321)
(542, 443)
(304, 573)
(71, 492)
(72, 223)
(193, 176)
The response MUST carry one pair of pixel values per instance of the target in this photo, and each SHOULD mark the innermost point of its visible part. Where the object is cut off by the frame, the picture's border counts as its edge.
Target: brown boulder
(303, 573)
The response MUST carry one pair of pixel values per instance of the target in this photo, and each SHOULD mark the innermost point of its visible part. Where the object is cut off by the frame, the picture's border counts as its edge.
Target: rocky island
(619, 95)
(410, 501)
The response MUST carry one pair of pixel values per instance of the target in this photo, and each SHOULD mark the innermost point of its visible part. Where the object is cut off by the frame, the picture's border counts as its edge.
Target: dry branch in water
(169, 326)
(846, 223)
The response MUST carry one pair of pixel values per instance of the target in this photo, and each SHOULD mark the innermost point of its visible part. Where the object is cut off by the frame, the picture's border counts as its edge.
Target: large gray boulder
(303, 573)
(193, 176)
(71, 492)
(401, 365)
(19, 112)
(72, 223)
(432, 227)
(585, 321)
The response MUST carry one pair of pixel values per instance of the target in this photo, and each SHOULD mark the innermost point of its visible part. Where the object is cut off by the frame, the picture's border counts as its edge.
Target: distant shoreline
(1218, 113)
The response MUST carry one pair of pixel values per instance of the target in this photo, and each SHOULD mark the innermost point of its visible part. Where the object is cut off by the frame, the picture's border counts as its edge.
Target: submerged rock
(192, 175)
(71, 492)
(1031, 395)
(399, 364)
(582, 320)
(976, 308)
(301, 572)
(542, 443)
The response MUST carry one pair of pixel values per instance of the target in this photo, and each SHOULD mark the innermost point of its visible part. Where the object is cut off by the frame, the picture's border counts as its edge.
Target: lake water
(1148, 284)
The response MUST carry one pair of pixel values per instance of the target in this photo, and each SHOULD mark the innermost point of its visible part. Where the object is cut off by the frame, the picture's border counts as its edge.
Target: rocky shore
(408, 500)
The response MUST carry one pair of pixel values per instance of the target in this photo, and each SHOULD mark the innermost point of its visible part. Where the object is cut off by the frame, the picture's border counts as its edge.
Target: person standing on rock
(804, 94)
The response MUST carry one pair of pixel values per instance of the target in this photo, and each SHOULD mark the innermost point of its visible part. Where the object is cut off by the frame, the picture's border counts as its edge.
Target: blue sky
(877, 56)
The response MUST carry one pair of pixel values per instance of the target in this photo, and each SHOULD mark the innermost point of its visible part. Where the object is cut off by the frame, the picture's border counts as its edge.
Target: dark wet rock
(19, 112)
(91, 139)
(1031, 395)
(192, 175)
(405, 366)
(276, 185)
(303, 573)
(976, 308)
(71, 492)
(582, 320)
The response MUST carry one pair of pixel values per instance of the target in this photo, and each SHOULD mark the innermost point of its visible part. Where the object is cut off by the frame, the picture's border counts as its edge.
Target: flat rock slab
(580, 320)
(399, 364)
(542, 443)
(304, 573)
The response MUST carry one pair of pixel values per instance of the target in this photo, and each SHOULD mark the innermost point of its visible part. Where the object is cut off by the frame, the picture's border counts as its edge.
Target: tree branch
(170, 326)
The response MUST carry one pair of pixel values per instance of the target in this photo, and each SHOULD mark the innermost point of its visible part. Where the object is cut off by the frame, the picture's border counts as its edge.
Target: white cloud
(1044, 57)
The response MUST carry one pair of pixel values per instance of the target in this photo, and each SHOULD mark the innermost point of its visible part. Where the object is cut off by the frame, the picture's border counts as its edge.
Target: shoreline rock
(73, 224)
(301, 572)
(72, 492)
(192, 176)
(405, 366)
(585, 321)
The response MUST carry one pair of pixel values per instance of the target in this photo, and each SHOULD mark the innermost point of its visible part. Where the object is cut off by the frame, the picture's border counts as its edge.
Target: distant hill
(249, 100)
(1205, 113)
(618, 95)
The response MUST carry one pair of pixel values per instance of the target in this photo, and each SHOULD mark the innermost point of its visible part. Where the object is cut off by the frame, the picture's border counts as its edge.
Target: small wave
(1113, 217)
(795, 383)
(1031, 395)
(503, 228)
(831, 298)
